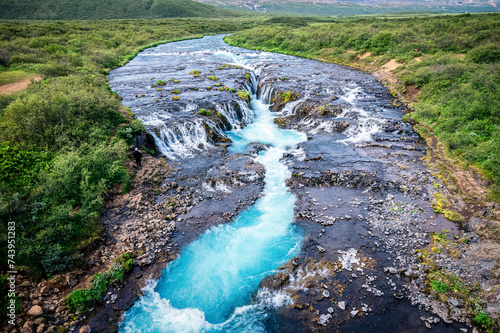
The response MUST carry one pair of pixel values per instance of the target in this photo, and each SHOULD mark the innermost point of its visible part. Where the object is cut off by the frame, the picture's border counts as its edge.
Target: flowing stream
(213, 286)
(209, 287)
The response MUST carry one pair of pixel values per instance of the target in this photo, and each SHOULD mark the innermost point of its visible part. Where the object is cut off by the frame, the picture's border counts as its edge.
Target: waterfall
(182, 139)
(209, 287)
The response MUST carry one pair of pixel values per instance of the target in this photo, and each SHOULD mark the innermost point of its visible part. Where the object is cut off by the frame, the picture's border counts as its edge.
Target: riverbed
(307, 202)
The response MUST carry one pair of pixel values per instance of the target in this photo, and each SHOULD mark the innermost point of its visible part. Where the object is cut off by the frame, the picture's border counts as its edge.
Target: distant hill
(356, 7)
(107, 9)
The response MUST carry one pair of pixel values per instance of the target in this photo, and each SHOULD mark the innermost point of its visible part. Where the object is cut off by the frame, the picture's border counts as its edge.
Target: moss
(176, 91)
(176, 98)
(244, 95)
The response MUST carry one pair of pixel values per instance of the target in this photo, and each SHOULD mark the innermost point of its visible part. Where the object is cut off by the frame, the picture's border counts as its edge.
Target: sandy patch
(10, 88)
(460, 56)
(366, 55)
(391, 65)
(417, 59)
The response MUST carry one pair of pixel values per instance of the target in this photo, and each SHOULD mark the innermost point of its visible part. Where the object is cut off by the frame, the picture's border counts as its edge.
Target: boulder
(35, 311)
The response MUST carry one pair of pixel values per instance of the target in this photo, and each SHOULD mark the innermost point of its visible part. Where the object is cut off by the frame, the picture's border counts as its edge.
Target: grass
(13, 76)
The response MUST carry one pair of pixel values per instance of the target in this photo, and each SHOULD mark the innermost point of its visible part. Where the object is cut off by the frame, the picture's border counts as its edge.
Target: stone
(40, 328)
(324, 319)
(25, 284)
(326, 293)
(330, 310)
(342, 305)
(28, 327)
(392, 270)
(45, 291)
(85, 329)
(71, 281)
(35, 311)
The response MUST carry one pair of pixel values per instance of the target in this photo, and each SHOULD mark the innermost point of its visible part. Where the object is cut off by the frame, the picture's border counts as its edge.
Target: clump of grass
(213, 78)
(160, 82)
(244, 95)
(205, 112)
(176, 91)
(176, 98)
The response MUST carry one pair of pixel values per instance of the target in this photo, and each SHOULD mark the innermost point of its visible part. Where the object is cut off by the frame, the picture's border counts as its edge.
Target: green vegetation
(213, 78)
(453, 61)
(100, 282)
(64, 140)
(205, 112)
(444, 285)
(244, 95)
(12, 76)
(111, 9)
(176, 91)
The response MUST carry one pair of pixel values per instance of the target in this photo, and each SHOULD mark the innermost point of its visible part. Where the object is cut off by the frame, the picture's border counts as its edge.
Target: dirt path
(10, 88)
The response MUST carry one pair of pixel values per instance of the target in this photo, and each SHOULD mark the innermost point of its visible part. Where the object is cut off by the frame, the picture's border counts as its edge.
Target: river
(330, 139)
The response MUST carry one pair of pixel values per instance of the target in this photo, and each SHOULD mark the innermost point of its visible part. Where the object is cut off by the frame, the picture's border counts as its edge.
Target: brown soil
(10, 88)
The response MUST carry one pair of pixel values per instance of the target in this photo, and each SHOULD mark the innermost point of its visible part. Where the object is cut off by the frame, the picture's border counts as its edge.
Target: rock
(28, 327)
(85, 329)
(330, 310)
(40, 328)
(429, 326)
(174, 185)
(354, 313)
(25, 284)
(71, 281)
(326, 293)
(45, 291)
(35, 311)
(392, 270)
(342, 305)
(324, 319)
(321, 249)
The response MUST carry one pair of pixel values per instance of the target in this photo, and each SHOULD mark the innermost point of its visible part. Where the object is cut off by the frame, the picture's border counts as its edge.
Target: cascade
(210, 286)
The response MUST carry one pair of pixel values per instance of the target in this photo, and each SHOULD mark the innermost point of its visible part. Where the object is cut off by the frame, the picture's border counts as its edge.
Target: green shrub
(161, 82)
(78, 299)
(213, 78)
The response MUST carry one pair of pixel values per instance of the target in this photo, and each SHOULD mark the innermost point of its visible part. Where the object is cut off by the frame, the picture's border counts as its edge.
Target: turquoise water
(209, 287)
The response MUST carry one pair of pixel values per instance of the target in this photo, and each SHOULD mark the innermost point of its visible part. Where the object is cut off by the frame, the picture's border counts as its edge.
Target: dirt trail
(10, 88)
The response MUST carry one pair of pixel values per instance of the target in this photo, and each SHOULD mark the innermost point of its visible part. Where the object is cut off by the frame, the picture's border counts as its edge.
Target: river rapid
(306, 202)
